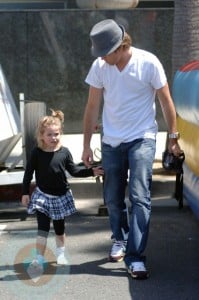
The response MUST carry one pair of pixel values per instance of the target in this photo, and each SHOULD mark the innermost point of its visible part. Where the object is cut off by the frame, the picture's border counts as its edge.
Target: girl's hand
(98, 171)
(25, 200)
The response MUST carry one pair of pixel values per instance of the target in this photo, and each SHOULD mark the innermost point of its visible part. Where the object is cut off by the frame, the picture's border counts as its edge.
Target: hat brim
(96, 53)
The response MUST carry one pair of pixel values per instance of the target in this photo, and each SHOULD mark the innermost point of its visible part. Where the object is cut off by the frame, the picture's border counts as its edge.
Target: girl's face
(51, 137)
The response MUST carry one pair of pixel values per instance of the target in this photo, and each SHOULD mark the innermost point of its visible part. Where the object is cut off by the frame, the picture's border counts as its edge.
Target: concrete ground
(172, 252)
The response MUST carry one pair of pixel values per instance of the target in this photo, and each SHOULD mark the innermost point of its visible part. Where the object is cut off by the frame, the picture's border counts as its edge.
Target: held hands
(25, 200)
(87, 157)
(98, 171)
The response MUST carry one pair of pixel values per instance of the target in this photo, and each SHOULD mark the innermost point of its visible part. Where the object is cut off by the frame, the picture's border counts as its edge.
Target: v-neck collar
(127, 64)
(125, 67)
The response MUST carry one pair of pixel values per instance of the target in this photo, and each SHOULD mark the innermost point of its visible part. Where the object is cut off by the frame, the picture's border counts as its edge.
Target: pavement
(172, 251)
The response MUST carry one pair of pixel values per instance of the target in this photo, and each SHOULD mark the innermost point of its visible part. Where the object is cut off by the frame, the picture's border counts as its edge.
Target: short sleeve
(94, 76)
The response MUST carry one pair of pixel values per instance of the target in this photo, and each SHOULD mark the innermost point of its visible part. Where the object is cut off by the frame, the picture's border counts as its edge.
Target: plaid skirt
(55, 207)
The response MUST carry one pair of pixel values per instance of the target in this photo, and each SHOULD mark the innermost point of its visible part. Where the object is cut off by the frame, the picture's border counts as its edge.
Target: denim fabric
(133, 159)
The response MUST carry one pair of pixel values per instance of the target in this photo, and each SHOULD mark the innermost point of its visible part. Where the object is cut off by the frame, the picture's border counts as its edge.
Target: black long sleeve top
(50, 171)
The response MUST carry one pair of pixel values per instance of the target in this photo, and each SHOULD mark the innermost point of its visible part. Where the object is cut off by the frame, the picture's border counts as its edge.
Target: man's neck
(124, 59)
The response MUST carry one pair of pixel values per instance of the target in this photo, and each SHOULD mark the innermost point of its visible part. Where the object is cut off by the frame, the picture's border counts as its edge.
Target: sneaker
(137, 270)
(117, 251)
(35, 264)
(35, 270)
(60, 254)
(61, 260)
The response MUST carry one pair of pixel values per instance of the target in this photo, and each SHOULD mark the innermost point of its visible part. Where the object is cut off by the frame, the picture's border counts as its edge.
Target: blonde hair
(126, 42)
(56, 118)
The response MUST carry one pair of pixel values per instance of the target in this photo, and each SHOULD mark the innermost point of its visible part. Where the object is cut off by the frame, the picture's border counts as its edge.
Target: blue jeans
(137, 157)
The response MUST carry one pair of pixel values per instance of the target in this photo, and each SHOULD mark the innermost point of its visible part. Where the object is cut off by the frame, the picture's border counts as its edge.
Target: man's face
(114, 57)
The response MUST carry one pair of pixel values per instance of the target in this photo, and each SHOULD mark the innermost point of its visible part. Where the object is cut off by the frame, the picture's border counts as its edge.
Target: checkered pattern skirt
(55, 207)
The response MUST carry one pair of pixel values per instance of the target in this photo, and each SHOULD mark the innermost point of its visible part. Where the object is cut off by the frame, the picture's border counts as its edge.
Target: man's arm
(90, 121)
(169, 114)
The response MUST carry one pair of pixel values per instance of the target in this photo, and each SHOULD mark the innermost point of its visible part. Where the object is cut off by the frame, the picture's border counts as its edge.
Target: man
(127, 79)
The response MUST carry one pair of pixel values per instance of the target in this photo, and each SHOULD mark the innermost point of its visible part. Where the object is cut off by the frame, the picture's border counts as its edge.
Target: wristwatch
(175, 135)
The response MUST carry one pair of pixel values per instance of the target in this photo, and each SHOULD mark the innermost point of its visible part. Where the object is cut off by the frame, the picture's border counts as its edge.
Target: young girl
(52, 197)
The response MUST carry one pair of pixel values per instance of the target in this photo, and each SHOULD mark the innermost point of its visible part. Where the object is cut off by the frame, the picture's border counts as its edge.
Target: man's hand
(174, 147)
(87, 157)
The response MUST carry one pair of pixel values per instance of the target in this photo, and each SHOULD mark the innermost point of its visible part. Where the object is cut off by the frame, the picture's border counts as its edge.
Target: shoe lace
(138, 266)
(117, 246)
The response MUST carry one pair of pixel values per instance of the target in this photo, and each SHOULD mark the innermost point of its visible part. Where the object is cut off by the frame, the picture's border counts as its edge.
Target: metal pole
(22, 107)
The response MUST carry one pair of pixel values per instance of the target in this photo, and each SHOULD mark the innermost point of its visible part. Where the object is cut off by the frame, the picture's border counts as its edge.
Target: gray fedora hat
(106, 36)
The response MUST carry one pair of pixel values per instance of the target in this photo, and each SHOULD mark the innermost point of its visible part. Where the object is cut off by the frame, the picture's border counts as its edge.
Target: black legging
(43, 222)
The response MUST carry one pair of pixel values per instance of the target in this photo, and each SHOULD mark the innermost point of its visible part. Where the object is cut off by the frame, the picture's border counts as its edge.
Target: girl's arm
(80, 170)
(28, 174)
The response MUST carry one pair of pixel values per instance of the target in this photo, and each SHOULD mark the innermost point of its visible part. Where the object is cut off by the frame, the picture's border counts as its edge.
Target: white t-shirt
(129, 96)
